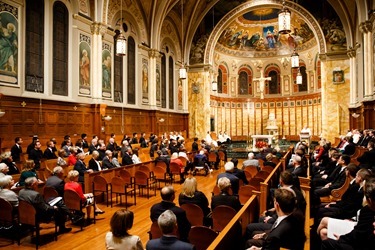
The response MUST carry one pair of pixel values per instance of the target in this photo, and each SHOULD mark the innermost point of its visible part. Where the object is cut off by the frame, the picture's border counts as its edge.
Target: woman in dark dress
(191, 195)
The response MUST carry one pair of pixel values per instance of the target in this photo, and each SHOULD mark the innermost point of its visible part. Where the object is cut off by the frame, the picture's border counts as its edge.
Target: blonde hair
(189, 187)
(29, 165)
(223, 184)
(269, 157)
(72, 174)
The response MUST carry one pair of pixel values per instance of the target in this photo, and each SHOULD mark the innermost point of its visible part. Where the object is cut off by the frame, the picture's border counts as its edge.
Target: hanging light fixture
(284, 20)
(183, 73)
(295, 59)
(299, 77)
(121, 40)
(214, 81)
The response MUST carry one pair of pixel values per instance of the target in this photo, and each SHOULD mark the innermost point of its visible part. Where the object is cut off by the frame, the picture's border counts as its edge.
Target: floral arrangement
(261, 144)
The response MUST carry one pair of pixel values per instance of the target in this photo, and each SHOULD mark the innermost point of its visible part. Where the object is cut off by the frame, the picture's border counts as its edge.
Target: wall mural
(84, 64)
(255, 34)
(144, 80)
(256, 31)
(158, 85)
(179, 95)
(8, 44)
(106, 71)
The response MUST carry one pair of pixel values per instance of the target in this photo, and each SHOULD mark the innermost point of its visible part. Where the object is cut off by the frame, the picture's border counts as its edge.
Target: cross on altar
(261, 80)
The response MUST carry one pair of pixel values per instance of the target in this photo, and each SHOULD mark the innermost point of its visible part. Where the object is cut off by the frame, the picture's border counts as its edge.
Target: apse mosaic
(256, 31)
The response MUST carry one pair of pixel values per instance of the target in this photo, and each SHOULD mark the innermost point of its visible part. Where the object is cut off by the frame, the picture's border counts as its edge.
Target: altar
(258, 137)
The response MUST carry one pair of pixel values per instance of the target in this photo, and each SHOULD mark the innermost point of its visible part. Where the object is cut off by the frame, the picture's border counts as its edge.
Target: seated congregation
(263, 202)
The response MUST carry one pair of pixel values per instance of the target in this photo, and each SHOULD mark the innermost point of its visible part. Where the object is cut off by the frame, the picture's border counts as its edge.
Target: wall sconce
(2, 113)
(107, 118)
(161, 120)
(355, 115)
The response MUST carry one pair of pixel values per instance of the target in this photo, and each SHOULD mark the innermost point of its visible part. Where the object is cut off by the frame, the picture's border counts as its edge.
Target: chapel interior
(61, 73)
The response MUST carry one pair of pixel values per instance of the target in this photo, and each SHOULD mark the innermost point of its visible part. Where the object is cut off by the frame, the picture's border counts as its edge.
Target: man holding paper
(361, 236)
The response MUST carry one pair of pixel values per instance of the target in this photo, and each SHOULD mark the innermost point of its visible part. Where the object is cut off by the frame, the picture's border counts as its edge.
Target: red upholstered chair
(201, 237)
(194, 214)
(221, 216)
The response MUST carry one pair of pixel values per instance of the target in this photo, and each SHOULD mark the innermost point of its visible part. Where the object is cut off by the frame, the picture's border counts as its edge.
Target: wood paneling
(25, 117)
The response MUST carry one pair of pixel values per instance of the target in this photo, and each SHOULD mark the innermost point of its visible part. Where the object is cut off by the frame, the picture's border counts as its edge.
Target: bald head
(167, 193)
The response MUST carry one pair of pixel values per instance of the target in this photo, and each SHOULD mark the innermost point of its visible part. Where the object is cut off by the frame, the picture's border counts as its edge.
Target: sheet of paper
(339, 227)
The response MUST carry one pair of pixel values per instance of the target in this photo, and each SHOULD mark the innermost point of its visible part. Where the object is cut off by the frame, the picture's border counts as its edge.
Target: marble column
(98, 30)
(153, 56)
(353, 98)
(366, 29)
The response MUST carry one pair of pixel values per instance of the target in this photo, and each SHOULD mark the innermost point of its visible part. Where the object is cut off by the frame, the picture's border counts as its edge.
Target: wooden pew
(229, 235)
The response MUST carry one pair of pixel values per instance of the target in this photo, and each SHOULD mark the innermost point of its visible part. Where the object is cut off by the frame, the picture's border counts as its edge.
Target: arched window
(171, 82)
(245, 81)
(274, 84)
(163, 81)
(131, 70)
(303, 87)
(220, 81)
(243, 88)
(34, 46)
(118, 78)
(60, 49)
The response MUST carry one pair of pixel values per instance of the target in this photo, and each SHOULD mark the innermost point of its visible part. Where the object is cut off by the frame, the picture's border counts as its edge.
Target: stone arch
(132, 13)
(169, 34)
(243, 8)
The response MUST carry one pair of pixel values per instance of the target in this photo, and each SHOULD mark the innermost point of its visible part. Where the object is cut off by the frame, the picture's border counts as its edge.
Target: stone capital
(365, 27)
(98, 28)
(154, 53)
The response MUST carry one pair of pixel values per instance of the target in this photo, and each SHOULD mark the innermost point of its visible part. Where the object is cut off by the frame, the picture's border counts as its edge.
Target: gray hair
(250, 155)
(5, 180)
(3, 166)
(223, 183)
(57, 170)
(30, 181)
(167, 222)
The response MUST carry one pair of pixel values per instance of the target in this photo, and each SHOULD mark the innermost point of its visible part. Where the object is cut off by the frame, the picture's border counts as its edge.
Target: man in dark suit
(36, 155)
(270, 216)
(367, 160)
(239, 173)
(142, 140)
(337, 182)
(57, 180)
(49, 153)
(168, 195)
(167, 224)
(134, 140)
(224, 198)
(234, 181)
(84, 141)
(361, 237)
(351, 200)
(126, 158)
(16, 149)
(44, 211)
(80, 166)
(287, 231)
(297, 169)
(106, 163)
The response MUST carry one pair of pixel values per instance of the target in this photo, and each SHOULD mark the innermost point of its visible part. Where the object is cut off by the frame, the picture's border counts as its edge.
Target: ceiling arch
(248, 6)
